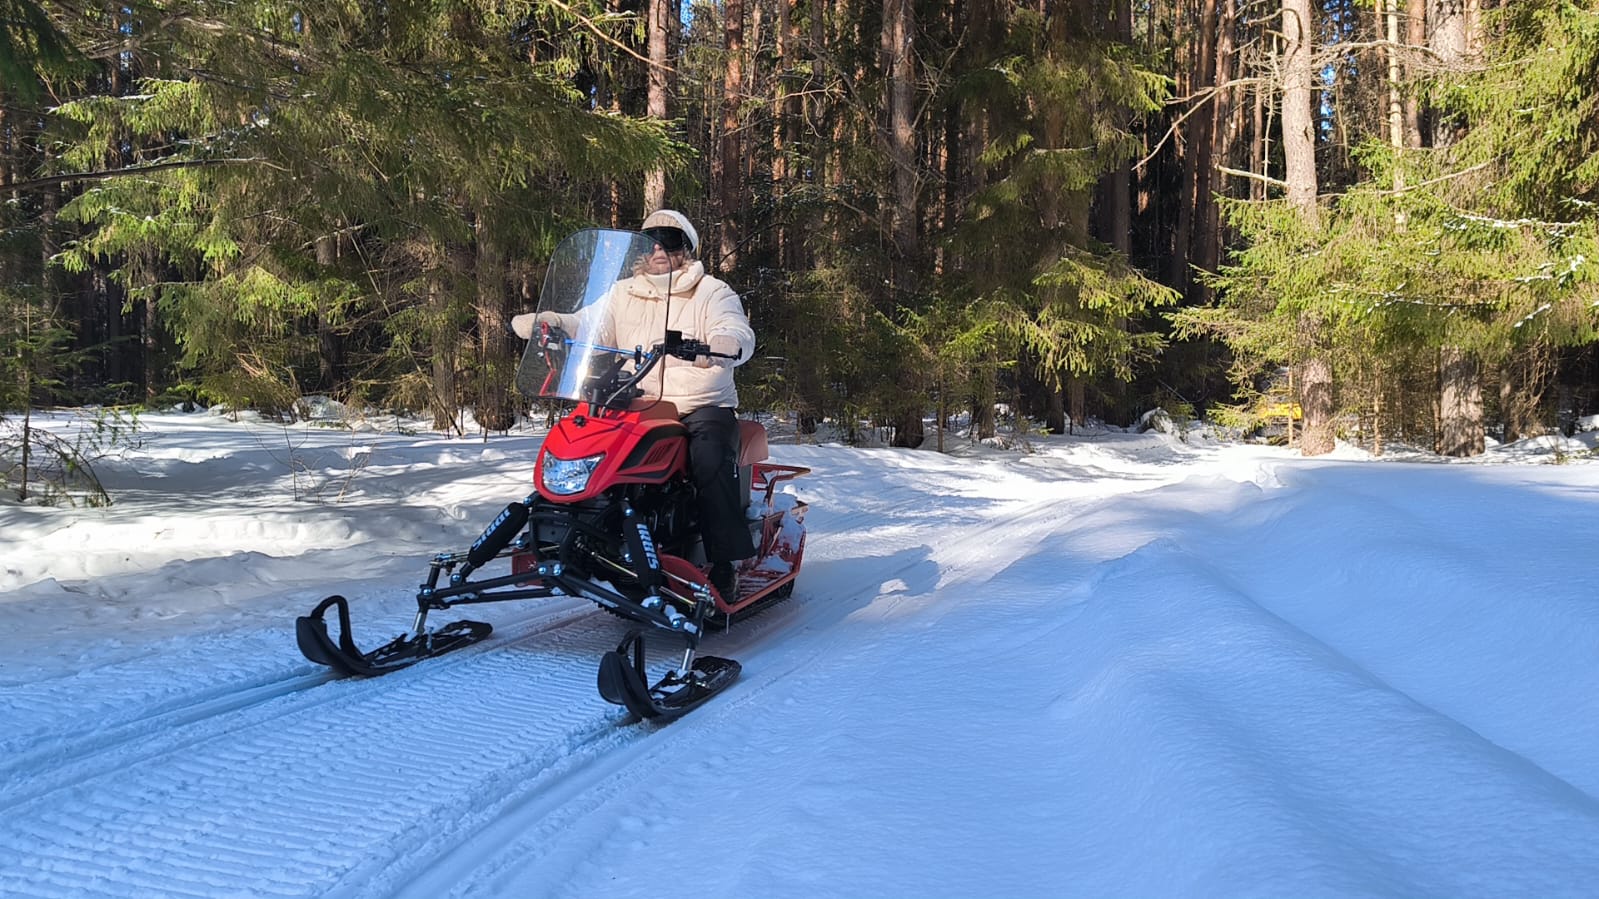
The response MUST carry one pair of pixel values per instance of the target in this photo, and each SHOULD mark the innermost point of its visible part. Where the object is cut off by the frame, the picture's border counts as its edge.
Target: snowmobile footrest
(622, 681)
(344, 657)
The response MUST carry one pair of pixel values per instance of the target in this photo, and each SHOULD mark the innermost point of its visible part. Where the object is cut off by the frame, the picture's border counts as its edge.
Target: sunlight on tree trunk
(1299, 154)
(1459, 403)
(660, 27)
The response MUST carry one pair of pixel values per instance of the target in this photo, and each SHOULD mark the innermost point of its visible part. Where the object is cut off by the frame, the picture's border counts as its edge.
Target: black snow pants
(713, 466)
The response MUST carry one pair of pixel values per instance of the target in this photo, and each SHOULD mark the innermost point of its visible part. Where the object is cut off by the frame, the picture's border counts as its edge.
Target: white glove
(723, 344)
(525, 324)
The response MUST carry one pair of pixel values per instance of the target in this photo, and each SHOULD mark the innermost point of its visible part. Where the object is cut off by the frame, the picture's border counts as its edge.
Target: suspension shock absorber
(496, 537)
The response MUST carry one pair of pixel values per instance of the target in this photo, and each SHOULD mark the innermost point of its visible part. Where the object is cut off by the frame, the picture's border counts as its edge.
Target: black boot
(724, 577)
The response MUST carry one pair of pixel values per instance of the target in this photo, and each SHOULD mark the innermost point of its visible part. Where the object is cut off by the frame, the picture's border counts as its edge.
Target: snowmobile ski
(311, 631)
(622, 681)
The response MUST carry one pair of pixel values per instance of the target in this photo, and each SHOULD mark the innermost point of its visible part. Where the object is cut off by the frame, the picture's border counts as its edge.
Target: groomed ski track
(427, 780)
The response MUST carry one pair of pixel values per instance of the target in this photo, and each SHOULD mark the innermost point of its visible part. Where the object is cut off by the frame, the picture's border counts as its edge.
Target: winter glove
(525, 324)
(723, 344)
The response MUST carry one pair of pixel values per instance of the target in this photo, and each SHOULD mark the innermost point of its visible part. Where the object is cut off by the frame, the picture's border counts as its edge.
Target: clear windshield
(571, 361)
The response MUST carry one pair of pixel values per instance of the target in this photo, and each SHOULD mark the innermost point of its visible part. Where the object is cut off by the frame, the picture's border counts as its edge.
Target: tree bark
(5, 145)
(1077, 401)
(495, 408)
(330, 347)
(1299, 136)
(1521, 384)
(1462, 430)
(446, 400)
(785, 130)
(986, 394)
(1119, 205)
(1205, 253)
(1299, 158)
(1459, 403)
(659, 28)
(898, 68)
(1415, 36)
(727, 167)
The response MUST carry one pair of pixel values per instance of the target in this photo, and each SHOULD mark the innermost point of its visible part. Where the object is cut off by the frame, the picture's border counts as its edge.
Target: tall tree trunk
(1415, 36)
(1207, 129)
(1449, 44)
(1227, 123)
(1258, 154)
(1077, 401)
(1521, 384)
(1459, 403)
(495, 408)
(1054, 409)
(150, 365)
(659, 25)
(330, 347)
(1388, 18)
(1299, 159)
(1462, 429)
(1181, 244)
(749, 68)
(5, 145)
(898, 67)
(1299, 137)
(1119, 200)
(727, 167)
(985, 396)
(446, 398)
(785, 130)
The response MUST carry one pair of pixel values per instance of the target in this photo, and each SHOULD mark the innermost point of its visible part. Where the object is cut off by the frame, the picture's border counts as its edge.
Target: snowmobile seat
(751, 449)
(751, 442)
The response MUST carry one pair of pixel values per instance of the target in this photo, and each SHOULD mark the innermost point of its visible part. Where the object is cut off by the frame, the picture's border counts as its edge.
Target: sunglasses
(672, 240)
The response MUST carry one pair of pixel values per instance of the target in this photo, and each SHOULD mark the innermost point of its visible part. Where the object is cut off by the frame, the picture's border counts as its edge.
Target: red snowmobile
(613, 514)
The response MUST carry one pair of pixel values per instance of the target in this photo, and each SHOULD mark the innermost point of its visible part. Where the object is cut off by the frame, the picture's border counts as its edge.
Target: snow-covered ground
(1121, 665)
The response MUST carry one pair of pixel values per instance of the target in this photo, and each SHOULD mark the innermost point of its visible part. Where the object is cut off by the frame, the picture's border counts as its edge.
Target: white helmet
(671, 218)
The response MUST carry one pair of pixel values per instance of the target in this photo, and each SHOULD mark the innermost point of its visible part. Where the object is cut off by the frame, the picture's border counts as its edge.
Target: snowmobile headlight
(568, 476)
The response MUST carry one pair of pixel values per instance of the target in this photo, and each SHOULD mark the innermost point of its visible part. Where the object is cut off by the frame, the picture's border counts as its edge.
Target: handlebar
(691, 349)
(610, 387)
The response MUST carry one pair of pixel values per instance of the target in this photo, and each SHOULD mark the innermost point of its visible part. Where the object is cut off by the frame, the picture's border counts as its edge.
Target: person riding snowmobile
(670, 290)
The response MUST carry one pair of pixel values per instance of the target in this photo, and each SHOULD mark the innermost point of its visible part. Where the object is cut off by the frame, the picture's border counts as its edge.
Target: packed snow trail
(1119, 667)
(354, 784)
(1144, 725)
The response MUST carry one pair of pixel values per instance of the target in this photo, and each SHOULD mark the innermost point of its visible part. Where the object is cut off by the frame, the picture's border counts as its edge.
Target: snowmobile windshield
(573, 354)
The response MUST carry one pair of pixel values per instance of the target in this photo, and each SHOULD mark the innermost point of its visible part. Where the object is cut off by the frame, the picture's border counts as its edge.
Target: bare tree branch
(1253, 176)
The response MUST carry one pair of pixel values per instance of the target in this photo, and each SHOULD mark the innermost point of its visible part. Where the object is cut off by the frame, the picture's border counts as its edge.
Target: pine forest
(1367, 220)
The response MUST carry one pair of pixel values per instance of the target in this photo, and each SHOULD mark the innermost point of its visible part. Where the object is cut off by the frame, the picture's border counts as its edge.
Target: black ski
(622, 681)
(311, 632)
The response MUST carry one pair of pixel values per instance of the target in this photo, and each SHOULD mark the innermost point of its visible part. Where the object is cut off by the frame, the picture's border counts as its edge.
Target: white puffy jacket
(702, 307)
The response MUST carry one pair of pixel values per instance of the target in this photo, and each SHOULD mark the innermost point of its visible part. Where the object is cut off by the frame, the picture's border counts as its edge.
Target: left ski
(344, 657)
